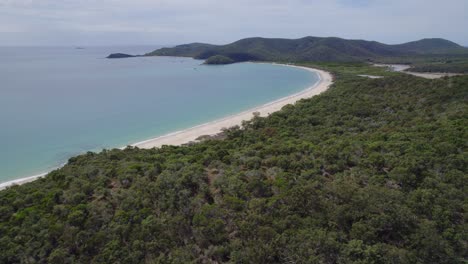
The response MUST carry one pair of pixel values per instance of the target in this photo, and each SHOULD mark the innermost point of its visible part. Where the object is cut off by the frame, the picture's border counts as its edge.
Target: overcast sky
(130, 22)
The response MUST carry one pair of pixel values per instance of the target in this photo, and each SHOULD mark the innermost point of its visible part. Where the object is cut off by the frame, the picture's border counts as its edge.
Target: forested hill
(371, 171)
(315, 49)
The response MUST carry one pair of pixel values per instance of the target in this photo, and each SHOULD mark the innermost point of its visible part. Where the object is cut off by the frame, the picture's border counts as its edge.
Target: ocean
(58, 102)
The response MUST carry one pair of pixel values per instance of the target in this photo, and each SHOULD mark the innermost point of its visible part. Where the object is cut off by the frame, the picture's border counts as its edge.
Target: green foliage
(315, 49)
(456, 62)
(372, 171)
(450, 66)
(219, 59)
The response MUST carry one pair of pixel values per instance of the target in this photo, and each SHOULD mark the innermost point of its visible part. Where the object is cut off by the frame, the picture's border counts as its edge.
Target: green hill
(218, 59)
(431, 46)
(371, 171)
(186, 50)
(314, 49)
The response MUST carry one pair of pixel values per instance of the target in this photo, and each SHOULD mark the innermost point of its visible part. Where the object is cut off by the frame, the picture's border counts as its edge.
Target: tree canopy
(371, 171)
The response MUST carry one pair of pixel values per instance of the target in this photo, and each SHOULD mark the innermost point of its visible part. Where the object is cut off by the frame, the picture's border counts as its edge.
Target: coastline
(214, 127)
(22, 180)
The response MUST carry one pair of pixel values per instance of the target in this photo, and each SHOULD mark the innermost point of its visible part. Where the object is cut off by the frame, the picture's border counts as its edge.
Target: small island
(219, 60)
(120, 56)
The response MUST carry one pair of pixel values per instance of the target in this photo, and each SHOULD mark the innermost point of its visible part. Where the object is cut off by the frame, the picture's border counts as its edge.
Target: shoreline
(214, 127)
(22, 180)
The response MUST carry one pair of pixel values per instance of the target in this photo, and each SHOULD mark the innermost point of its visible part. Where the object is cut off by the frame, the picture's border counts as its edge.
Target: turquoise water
(59, 102)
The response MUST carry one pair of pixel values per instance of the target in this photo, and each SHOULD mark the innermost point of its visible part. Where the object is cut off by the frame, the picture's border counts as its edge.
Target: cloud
(178, 21)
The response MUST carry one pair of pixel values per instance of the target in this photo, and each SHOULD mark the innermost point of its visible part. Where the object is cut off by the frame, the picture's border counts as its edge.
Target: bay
(58, 102)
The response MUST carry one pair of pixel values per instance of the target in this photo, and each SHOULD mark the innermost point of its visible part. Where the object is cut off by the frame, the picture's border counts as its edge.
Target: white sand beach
(214, 127)
(21, 181)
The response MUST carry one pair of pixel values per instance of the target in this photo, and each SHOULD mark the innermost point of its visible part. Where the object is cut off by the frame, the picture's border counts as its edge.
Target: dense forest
(219, 59)
(371, 171)
(453, 63)
(444, 67)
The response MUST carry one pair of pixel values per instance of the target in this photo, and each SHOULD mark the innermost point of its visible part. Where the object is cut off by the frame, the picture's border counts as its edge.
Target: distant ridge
(430, 45)
(328, 49)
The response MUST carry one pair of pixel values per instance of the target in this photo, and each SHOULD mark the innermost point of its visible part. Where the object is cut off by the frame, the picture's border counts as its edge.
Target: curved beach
(214, 127)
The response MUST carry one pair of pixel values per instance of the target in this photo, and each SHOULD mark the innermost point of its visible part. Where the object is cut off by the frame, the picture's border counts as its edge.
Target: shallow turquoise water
(59, 102)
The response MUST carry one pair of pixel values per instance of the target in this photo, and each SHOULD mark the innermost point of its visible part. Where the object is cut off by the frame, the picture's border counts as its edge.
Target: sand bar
(214, 127)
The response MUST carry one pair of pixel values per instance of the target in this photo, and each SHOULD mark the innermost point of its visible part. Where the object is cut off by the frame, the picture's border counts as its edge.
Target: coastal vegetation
(442, 67)
(439, 54)
(371, 171)
(447, 63)
(219, 59)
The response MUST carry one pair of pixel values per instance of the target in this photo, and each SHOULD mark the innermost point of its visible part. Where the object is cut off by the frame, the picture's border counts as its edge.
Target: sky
(169, 22)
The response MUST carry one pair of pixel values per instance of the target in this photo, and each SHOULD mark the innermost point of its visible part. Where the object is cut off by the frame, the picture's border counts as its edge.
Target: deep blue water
(57, 102)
